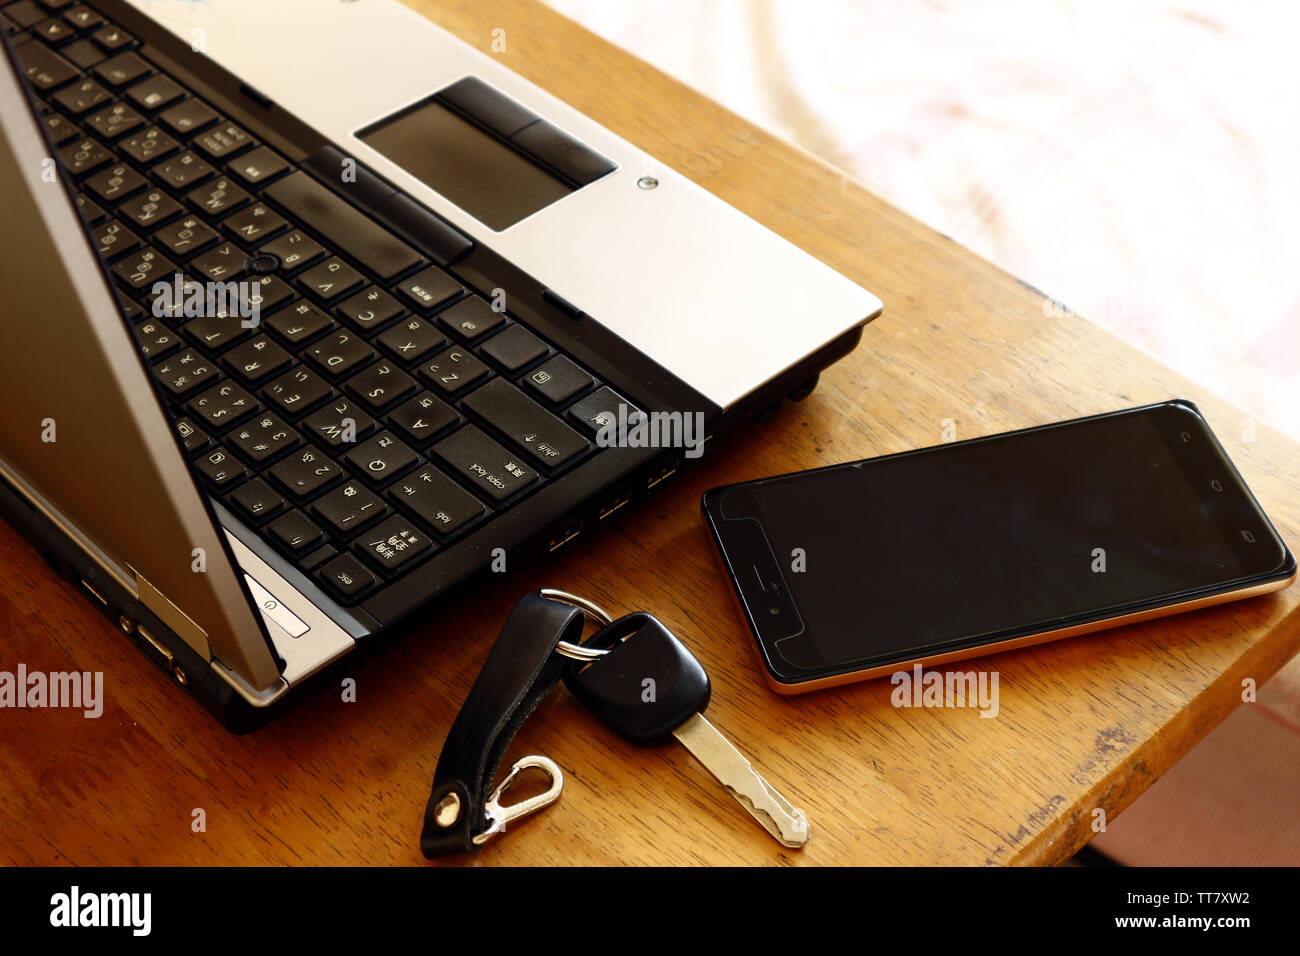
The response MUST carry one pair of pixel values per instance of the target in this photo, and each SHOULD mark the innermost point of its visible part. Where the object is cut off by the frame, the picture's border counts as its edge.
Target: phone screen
(1013, 533)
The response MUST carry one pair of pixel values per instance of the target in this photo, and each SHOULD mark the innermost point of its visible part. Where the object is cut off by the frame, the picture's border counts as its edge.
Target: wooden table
(1084, 724)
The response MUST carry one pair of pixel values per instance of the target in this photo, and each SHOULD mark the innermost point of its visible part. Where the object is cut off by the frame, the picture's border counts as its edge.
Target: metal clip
(578, 652)
(498, 816)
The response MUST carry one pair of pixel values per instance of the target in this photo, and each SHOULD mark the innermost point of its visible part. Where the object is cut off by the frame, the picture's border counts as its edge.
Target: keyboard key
(558, 380)
(392, 545)
(221, 406)
(256, 501)
(181, 171)
(144, 267)
(300, 323)
(254, 223)
(349, 508)
(155, 93)
(61, 129)
(82, 54)
(529, 427)
(193, 438)
(155, 339)
(343, 225)
(25, 13)
(485, 464)
(91, 212)
(423, 419)
(149, 210)
(515, 348)
(372, 308)
(331, 279)
(83, 156)
(346, 577)
(215, 331)
(222, 141)
(315, 559)
(295, 532)
(382, 458)
(262, 438)
(148, 145)
(122, 69)
(450, 371)
(412, 339)
(222, 264)
(115, 183)
(188, 116)
(219, 196)
(339, 423)
(53, 31)
(339, 353)
(184, 237)
(430, 288)
(600, 409)
(298, 391)
(44, 68)
(306, 471)
(83, 17)
(472, 319)
(114, 121)
(257, 359)
(270, 293)
(380, 385)
(113, 239)
(295, 250)
(441, 504)
(220, 468)
(81, 97)
(113, 38)
(259, 166)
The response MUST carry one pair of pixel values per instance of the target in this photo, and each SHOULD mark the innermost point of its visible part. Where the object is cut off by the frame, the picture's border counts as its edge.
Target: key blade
(785, 822)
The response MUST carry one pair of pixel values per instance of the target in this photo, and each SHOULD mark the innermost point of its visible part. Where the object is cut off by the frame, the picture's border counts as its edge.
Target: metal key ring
(578, 652)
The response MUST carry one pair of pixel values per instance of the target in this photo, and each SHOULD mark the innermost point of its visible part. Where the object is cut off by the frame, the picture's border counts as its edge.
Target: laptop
(313, 312)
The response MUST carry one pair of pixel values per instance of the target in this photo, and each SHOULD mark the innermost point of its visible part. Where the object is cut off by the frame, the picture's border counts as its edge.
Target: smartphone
(929, 556)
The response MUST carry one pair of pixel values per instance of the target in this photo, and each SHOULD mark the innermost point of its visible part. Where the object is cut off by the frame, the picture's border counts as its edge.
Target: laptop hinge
(176, 619)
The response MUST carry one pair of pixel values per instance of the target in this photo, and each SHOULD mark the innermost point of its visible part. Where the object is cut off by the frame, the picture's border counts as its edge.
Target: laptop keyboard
(379, 409)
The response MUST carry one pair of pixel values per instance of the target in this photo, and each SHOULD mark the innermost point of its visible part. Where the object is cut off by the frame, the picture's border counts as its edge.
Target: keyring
(578, 652)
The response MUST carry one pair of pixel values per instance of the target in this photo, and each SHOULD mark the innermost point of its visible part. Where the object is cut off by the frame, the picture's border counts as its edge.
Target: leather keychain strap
(520, 671)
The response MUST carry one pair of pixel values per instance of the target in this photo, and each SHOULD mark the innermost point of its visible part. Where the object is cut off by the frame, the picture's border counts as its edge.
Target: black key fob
(648, 684)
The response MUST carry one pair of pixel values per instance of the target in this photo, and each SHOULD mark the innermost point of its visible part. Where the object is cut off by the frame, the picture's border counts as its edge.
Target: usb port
(663, 475)
(564, 537)
(614, 504)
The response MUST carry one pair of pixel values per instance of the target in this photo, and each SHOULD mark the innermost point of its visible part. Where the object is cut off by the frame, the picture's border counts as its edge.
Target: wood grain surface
(1083, 724)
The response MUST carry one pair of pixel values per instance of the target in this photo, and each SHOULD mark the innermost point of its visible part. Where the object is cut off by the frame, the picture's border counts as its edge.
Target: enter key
(528, 426)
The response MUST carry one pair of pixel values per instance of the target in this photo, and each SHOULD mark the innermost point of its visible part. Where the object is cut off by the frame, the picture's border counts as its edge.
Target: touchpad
(491, 156)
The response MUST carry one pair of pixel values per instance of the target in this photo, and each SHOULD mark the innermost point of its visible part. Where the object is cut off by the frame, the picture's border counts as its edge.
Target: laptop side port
(93, 593)
(662, 475)
(611, 507)
(154, 649)
(563, 537)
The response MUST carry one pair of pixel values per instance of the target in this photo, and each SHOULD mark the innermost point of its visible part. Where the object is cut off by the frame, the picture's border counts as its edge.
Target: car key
(641, 680)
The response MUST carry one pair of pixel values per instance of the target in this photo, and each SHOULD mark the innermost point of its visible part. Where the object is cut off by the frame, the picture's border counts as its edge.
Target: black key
(259, 166)
(372, 308)
(450, 371)
(83, 17)
(558, 380)
(295, 532)
(219, 196)
(338, 423)
(53, 31)
(132, 311)
(184, 237)
(115, 183)
(380, 385)
(112, 239)
(61, 128)
(82, 53)
(441, 504)
(382, 458)
(318, 557)
(222, 264)
(483, 463)
(181, 171)
(257, 359)
(122, 69)
(144, 267)
(298, 391)
(295, 250)
(188, 116)
(423, 419)
(150, 209)
(305, 471)
(193, 438)
(170, 304)
(155, 93)
(346, 577)
(342, 225)
(528, 426)
(349, 508)
(221, 406)
(262, 438)
(515, 348)
(148, 145)
(600, 410)
(331, 279)
(115, 120)
(430, 288)
(81, 97)
(300, 323)
(91, 212)
(221, 468)
(223, 140)
(84, 155)
(113, 38)
(155, 339)
(270, 293)
(412, 339)
(339, 353)
(25, 13)
(44, 68)
(257, 501)
(393, 544)
(472, 319)
(254, 223)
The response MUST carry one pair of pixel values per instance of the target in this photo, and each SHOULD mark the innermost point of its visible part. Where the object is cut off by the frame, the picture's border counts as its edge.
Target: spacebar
(342, 225)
